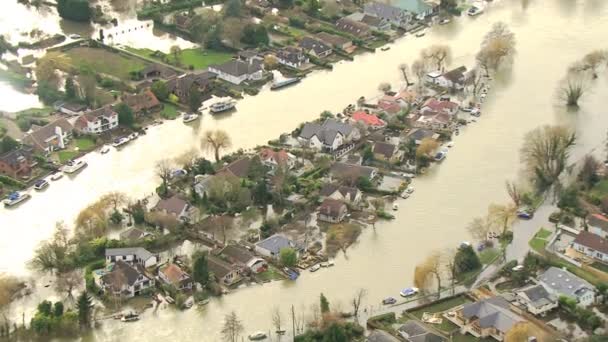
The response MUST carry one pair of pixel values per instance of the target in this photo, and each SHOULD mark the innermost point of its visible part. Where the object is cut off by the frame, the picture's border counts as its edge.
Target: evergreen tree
(159, 88)
(70, 88)
(77, 10)
(125, 115)
(194, 98)
(8, 144)
(58, 309)
(200, 272)
(84, 304)
(324, 304)
(466, 260)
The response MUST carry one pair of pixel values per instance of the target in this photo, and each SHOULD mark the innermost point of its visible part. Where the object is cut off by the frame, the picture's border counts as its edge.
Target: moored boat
(315, 268)
(40, 184)
(256, 336)
(473, 11)
(420, 33)
(222, 106)
(190, 117)
(120, 141)
(130, 317)
(105, 149)
(385, 48)
(133, 136)
(15, 198)
(408, 292)
(72, 166)
(56, 176)
(284, 83)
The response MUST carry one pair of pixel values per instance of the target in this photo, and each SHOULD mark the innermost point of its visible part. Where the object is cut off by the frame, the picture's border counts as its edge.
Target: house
(97, 121)
(271, 246)
(413, 331)
(142, 103)
(173, 275)
(315, 47)
(332, 211)
(598, 224)
(560, 282)
(381, 336)
(182, 21)
(261, 5)
(181, 85)
(350, 132)
(354, 28)
(391, 14)
(434, 105)
(242, 257)
(237, 71)
(432, 77)
(391, 106)
(341, 193)
(419, 134)
(330, 135)
(71, 109)
(177, 207)
(123, 279)
(238, 168)
(373, 22)
(335, 41)
(490, 317)
(274, 158)
(292, 57)
(420, 8)
(453, 79)
(342, 170)
(222, 271)
(133, 234)
(537, 300)
(386, 152)
(133, 255)
(51, 137)
(202, 184)
(369, 120)
(17, 163)
(591, 245)
(157, 71)
(433, 120)
(250, 56)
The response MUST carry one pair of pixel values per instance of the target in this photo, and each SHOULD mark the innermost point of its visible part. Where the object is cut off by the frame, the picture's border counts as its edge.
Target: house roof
(238, 168)
(237, 254)
(237, 68)
(345, 191)
(592, 241)
(333, 124)
(381, 336)
(418, 134)
(143, 101)
(40, 136)
(173, 205)
(92, 116)
(280, 157)
(598, 220)
(416, 332)
(219, 267)
(327, 131)
(125, 271)
(181, 84)
(174, 273)
(74, 107)
(368, 119)
(385, 11)
(275, 243)
(537, 295)
(355, 28)
(163, 71)
(332, 39)
(139, 252)
(415, 6)
(14, 157)
(332, 207)
(315, 45)
(391, 107)
(385, 149)
(492, 312)
(132, 234)
(291, 54)
(565, 283)
(344, 168)
(367, 19)
(440, 106)
(456, 75)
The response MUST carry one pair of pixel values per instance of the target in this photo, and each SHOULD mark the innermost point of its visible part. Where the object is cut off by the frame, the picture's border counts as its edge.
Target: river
(550, 34)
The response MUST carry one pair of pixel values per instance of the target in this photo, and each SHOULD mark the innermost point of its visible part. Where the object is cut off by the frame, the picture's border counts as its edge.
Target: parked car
(389, 301)
(525, 214)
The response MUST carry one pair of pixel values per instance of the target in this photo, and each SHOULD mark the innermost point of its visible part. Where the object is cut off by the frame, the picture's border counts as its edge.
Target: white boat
(133, 136)
(56, 176)
(105, 149)
(395, 206)
(203, 302)
(410, 190)
(408, 292)
(444, 21)
(72, 167)
(473, 11)
(120, 141)
(15, 198)
(420, 33)
(190, 117)
(256, 336)
(40, 184)
(315, 268)
(130, 317)
(330, 263)
(450, 144)
(222, 106)
(324, 264)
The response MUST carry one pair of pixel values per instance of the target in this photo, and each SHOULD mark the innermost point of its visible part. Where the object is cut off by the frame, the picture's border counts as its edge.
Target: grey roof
(492, 312)
(414, 6)
(538, 296)
(309, 130)
(381, 336)
(343, 168)
(219, 267)
(291, 55)
(332, 39)
(275, 243)
(14, 157)
(238, 68)
(414, 331)
(385, 149)
(129, 273)
(339, 126)
(132, 234)
(418, 134)
(355, 28)
(140, 252)
(456, 75)
(564, 283)
(317, 46)
(384, 11)
(237, 254)
(40, 136)
(173, 205)
(345, 191)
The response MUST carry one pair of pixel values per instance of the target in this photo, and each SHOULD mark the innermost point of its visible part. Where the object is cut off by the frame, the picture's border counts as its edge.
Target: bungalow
(598, 224)
(17, 163)
(434, 105)
(133, 255)
(250, 56)
(292, 57)
(592, 245)
(180, 86)
(453, 79)
(242, 257)
(386, 152)
(142, 103)
(560, 282)
(238, 168)
(177, 207)
(271, 246)
(490, 317)
(420, 8)
(237, 72)
(122, 279)
(274, 158)
(97, 121)
(335, 41)
(133, 234)
(419, 134)
(341, 170)
(381, 336)
(354, 28)
(157, 72)
(315, 47)
(369, 120)
(332, 211)
(71, 109)
(413, 331)
(373, 22)
(173, 275)
(341, 193)
(222, 271)
(537, 300)
(392, 14)
(51, 137)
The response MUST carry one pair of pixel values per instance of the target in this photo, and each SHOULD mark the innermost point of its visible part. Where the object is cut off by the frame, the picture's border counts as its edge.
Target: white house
(133, 255)
(274, 158)
(593, 246)
(292, 56)
(453, 79)
(122, 279)
(537, 300)
(341, 193)
(97, 121)
(394, 15)
(236, 71)
(560, 282)
(330, 135)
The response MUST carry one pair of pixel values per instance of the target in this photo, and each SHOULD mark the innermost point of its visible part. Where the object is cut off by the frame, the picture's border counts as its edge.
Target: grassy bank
(196, 57)
(104, 61)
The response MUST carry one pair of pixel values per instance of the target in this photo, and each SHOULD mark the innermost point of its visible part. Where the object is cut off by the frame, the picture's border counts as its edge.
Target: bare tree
(479, 228)
(572, 88)
(440, 55)
(428, 271)
(276, 319)
(426, 147)
(115, 199)
(450, 266)
(594, 59)
(215, 141)
(232, 328)
(68, 281)
(419, 68)
(502, 216)
(497, 47)
(163, 171)
(523, 331)
(515, 192)
(404, 70)
(475, 80)
(357, 299)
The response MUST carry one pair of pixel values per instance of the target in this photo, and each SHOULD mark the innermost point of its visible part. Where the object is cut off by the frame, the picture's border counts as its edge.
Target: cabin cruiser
(190, 117)
(223, 106)
(40, 184)
(256, 336)
(15, 198)
(74, 166)
(408, 292)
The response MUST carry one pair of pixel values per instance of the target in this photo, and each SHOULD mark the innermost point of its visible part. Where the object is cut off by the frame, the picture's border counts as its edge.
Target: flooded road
(550, 34)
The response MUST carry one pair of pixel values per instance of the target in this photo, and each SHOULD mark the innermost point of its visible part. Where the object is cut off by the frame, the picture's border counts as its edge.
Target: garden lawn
(270, 274)
(64, 156)
(441, 306)
(538, 244)
(600, 189)
(84, 144)
(104, 61)
(470, 338)
(169, 111)
(488, 255)
(600, 266)
(543, 233)
(200, 59)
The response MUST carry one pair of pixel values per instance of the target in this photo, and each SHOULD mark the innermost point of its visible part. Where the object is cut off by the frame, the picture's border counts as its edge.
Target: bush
(297, 22)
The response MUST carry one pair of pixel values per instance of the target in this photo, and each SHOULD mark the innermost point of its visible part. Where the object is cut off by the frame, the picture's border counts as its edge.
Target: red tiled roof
(280, 157)
(389, 107)
(368, 119)
(440, 106)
